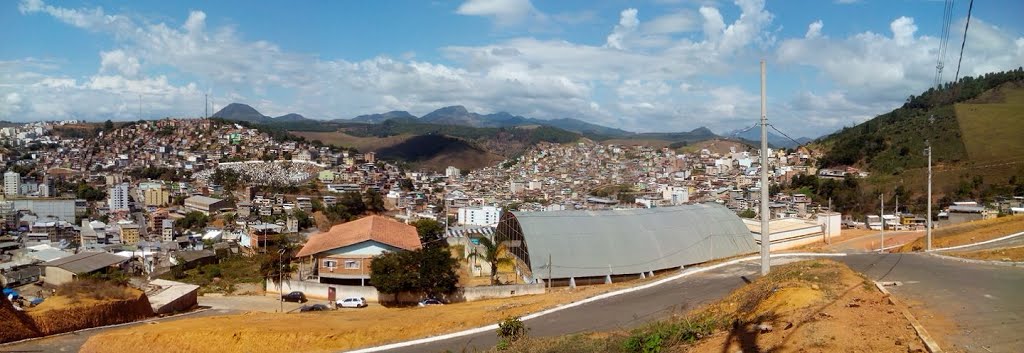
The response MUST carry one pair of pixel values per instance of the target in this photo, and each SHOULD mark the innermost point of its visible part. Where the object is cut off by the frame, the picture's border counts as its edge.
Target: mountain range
(458, 115)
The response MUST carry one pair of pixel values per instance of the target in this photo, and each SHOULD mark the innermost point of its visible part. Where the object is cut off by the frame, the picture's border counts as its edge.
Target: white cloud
(662, 74)
(713, 22)
(116, 61)
(504, 12)
(627, 25)
(814, 29)
(677, 22)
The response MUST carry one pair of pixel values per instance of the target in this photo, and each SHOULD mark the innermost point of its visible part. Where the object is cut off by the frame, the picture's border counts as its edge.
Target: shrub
(510, 330)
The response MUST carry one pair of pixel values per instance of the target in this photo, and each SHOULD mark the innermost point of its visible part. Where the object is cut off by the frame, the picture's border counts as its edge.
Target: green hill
(893, 142)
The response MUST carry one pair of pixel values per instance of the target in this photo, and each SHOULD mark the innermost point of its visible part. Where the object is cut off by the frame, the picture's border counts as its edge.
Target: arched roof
(598, 243)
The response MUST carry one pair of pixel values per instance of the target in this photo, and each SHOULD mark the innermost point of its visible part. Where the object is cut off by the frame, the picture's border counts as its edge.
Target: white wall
(319, 291)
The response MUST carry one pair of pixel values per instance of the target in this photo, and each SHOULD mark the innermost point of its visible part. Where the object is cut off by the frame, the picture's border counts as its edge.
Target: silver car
(352, 302)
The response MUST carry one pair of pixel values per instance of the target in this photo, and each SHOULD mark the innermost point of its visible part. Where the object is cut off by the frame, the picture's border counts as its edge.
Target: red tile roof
(377, 228)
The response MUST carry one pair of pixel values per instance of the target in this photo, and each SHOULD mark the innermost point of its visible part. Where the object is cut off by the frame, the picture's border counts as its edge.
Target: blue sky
(661, 65)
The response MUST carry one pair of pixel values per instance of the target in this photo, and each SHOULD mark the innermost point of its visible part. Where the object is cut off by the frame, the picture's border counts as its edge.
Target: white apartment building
(118, 198)
(481, 216)
(12, 183)
(452, 172)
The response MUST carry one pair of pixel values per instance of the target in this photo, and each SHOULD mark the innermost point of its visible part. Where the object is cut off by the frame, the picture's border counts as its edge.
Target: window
(330, 263)
(352, 264)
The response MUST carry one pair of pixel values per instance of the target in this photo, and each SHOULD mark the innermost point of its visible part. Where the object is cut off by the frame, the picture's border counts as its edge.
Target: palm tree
(492, 254)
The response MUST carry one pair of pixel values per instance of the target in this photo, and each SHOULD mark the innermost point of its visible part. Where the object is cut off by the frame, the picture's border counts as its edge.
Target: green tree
(194, 220)
(305, 221)
(108, 125)
(353, 202)
(373, 200)
(430, 232)
(748, 213)
(492, 254)
(427, 270)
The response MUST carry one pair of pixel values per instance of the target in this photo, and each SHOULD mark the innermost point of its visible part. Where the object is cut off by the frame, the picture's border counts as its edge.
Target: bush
(658, 335)
(511, 330)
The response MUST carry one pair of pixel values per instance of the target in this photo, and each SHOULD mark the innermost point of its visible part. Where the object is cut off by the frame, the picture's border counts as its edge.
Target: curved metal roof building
(620, 242)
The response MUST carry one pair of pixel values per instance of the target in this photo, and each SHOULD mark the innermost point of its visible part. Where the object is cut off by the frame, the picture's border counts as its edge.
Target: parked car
(314, 307)
(352, 302)
(295, 296)
(430, 302)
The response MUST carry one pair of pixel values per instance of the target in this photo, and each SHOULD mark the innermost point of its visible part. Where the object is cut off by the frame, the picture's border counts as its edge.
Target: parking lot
(267, 304)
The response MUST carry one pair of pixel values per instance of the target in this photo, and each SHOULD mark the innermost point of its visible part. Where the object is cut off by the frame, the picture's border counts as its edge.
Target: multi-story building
(118, 198)
(452, 172)
(12, 183)
(129, 233)
(167, 230)
(481, 216)
(158, 196)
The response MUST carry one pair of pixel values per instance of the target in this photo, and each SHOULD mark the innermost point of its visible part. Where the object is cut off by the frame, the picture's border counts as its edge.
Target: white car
(352, 302)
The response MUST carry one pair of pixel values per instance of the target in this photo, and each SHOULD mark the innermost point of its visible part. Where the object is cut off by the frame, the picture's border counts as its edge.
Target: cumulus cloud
(627, 25)
(116, 61)
(814, 29)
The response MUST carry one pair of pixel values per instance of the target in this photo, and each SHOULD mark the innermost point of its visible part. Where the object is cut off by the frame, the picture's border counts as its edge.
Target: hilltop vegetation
(894, 141)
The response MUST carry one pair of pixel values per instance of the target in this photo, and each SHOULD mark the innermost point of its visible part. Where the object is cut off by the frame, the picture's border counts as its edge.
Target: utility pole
(549, 270)
(280, 276)
(828, 223)
(929, 222)
(765, 189)
(881, 217)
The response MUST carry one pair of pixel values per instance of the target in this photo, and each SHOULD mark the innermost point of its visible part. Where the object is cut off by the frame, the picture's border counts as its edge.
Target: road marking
(493, 327)
(980, 243)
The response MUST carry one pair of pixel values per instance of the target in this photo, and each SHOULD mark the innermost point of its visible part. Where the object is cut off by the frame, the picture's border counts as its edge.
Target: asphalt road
(985, 303)
(621, 312)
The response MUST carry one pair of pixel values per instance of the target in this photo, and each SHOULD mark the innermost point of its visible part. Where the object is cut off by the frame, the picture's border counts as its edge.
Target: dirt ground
(330, 331)
(970, 232)
(812, 306)
(1015, 254)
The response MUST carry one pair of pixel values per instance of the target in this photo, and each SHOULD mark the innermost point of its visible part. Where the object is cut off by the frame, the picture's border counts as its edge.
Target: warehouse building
(581, 247)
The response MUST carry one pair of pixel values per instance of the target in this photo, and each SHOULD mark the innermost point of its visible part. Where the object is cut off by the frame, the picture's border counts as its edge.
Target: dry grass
(816, 305)
(329, 331)
(970, 232)
(981, 124)
(1015, 254)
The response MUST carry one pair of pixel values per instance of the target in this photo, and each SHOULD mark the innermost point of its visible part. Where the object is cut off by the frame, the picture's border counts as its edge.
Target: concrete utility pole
(929, 222)
(280, 276)
(765, 189)
(881, 217)
(828, 223)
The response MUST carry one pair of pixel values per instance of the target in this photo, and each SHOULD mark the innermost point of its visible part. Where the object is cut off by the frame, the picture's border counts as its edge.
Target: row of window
(349, 264)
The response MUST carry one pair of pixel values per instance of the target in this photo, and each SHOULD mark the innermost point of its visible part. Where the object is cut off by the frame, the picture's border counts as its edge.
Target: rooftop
(86, 262)
(376, 228)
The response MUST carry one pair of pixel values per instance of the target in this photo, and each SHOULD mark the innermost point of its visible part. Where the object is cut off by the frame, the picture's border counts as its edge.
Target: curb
(929, 343)
(978, 262)
(493, 327)
(979, 243)
(149, 320)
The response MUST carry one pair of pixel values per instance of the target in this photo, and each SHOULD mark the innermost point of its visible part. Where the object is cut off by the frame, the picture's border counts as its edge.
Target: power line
(964, 43)
(947, 19)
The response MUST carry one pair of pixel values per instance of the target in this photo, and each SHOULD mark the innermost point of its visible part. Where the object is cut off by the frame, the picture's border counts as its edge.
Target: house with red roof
(342, 255)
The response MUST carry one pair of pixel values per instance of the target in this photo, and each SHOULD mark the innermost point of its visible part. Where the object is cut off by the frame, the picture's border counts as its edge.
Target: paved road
(984, 302)
(620, 312)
